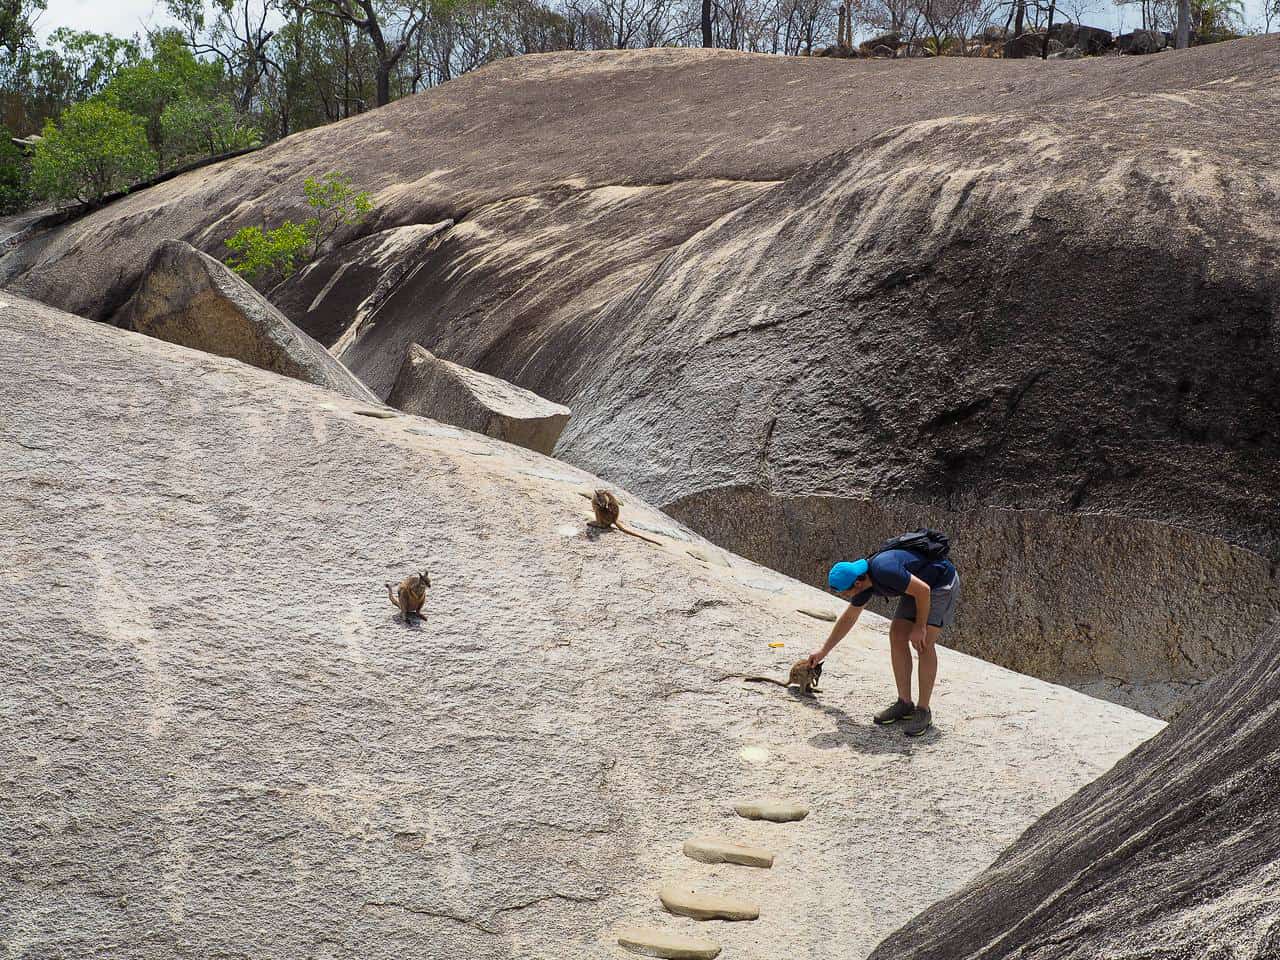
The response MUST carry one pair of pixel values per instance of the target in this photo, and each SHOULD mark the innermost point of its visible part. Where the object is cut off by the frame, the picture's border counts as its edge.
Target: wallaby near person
(916, 567)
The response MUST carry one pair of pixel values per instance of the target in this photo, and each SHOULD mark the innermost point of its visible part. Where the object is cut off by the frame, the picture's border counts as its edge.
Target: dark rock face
(1091, 41)
(188, 298)
(1027, 45)
(1141, 41)
(1171, 855)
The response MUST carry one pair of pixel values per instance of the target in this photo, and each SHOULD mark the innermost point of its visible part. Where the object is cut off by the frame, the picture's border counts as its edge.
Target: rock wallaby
(607, 507)
(802, 675)
(410, 595)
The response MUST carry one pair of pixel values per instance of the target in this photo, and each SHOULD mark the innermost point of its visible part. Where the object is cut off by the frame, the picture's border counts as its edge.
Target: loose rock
(716, 850)
(685, 901)
(431, 387)
(188, 298)
(649, 942)
(778, 811)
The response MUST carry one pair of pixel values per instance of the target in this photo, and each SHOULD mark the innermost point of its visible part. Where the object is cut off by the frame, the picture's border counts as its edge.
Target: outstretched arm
(838, 633)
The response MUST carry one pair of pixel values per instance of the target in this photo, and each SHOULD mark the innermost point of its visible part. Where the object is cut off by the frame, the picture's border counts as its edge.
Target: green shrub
(94, 150)
(195, 127)
(268, 256)
(15, 175)
(337, 203)
(265, 257)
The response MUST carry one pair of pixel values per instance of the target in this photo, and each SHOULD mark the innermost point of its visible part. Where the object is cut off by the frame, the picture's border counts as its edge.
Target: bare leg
(928, 666)
(900, 654)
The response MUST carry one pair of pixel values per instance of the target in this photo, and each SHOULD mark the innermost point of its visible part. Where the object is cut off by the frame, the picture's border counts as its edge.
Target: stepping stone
(658, 943)
(715, 850)
(684, 901)
(779, 811)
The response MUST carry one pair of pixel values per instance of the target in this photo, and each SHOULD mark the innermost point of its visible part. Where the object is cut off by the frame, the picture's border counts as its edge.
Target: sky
(127, 17)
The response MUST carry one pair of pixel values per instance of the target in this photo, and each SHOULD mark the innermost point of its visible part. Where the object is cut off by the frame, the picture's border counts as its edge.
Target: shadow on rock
(864, 737)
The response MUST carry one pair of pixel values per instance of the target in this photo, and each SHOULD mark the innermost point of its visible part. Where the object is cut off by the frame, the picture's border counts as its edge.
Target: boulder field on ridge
(220, 740)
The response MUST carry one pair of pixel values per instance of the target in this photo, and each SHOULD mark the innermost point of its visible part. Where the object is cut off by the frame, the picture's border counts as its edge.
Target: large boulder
(219, 739)
(1141, 41)
(1172, 854)
(1030, 44)
(188, 298)
(431, 387)
(1091, 41)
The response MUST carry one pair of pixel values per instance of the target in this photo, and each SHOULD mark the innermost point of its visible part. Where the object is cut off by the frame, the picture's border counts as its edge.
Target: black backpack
(933, 545)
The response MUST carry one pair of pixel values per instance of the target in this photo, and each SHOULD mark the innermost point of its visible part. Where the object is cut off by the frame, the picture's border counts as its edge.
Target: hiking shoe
(921, 719)
(900, 710)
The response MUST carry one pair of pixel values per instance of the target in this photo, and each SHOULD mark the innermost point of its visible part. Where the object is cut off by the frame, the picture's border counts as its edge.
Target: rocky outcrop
(1171, 854)
(1030, 44)
(1141, 41)
(431, 387)
(218, 731)
(188, 298)
(1131, 610)
(1090, 41)
(882, 326)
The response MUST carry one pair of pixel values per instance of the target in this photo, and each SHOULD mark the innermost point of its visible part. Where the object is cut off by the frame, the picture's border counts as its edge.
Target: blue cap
(844, 573)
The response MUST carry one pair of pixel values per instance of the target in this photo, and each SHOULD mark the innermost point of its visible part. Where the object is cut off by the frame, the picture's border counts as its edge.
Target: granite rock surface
(219, 738)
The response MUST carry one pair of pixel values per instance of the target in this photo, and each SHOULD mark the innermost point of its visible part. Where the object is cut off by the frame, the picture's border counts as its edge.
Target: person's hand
(919, 638)
(815, 658)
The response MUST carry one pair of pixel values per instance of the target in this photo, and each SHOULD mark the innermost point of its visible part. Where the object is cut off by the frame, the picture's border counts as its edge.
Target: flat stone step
(686, 901)
(649, 942)
(779, 811)
(717, 850)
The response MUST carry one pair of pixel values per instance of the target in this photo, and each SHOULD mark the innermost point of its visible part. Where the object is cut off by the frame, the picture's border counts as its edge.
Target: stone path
(686, 899)
(778, 811)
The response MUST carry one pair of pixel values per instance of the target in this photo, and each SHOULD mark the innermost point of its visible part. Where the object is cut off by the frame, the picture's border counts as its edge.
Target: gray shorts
(942, 605)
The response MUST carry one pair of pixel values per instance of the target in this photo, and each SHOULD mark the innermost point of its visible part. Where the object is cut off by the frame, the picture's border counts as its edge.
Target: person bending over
(929, 591)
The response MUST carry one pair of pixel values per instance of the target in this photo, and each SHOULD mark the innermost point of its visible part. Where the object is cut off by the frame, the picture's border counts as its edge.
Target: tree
(205, 128)
(1184, 24)
(14, 176)
(93, 151)
(170, 73)
(377, 23)
(236, 34)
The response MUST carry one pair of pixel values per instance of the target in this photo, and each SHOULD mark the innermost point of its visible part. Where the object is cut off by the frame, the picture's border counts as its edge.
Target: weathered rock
(1092, 41)
(891, 40)
(1070, 53)
(346, 288)
(213, 716)
(1171, 854)
(718, 850)
(431, 387)
(188, 298)
(649, 942)
(883, 52)
(1141, 41)
(1029, 44)
(787, 388)
(686, 900)
(778, 811)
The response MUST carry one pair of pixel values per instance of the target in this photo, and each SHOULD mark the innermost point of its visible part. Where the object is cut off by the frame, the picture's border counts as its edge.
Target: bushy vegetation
(95, 150)
(14, 176)
(266, 256)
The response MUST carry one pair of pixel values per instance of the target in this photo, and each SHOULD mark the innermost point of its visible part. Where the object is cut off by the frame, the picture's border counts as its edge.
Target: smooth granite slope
(217, 739)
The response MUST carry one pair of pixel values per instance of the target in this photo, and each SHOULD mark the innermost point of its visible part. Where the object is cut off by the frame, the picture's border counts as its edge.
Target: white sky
(127, 17)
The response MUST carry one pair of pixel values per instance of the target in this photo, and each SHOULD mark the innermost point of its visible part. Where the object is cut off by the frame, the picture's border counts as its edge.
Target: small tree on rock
(93, 151)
